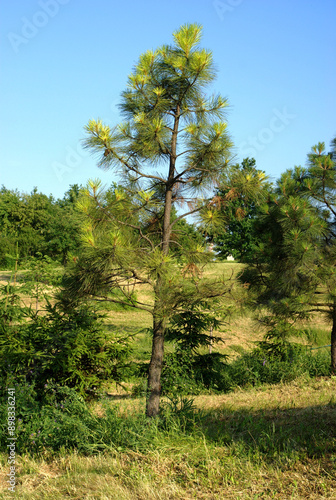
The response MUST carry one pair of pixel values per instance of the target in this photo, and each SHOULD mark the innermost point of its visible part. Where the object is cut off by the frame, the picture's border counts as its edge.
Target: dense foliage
(293, 273)
(242, 191)
(35, 223)
(57, 343)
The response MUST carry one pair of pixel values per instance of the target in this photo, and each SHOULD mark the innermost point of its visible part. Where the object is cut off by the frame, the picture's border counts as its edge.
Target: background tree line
(34, 223)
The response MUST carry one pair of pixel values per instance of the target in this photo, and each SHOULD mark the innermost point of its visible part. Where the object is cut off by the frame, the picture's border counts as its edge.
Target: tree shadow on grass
(5, 276)
(118, 397)
(296, 432)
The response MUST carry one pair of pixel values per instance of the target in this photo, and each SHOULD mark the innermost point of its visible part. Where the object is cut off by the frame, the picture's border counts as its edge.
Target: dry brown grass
(298, 394)
(139, 477)
(180, 468)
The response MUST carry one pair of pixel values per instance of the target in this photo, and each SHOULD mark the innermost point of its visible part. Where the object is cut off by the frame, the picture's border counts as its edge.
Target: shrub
(61, 420)
(180, 414)
(262, 367)
(68, 347)
(178, 376)
(186, 371)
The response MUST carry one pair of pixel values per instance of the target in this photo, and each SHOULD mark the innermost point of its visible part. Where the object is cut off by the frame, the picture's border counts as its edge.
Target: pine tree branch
(185, 215)
(127, 224)
(147, 176)
(128, 165)
(143, 280)
(136, 305)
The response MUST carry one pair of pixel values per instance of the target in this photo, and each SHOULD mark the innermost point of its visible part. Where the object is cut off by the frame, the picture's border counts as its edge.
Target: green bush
(186, 372)
(65, 347)
(178, 376)
(260, 367)
(179, 413)
(63, 421)
(210, 371)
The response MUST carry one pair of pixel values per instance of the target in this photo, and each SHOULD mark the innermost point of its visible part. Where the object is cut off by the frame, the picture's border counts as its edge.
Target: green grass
(272, 442)
(319, 336)
(269, 441)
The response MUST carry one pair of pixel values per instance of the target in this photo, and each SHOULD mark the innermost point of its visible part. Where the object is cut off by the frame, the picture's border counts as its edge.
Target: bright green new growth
(165, 102)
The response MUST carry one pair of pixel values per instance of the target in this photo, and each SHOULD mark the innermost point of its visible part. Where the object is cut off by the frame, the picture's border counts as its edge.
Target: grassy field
(239, 332)
(272, 441)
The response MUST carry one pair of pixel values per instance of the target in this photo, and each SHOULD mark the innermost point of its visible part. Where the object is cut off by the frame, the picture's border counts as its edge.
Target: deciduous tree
(242, 191)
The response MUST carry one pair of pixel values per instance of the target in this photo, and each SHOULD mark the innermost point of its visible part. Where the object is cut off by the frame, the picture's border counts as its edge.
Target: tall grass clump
(262, 366)
(187, 374)
(63, 421)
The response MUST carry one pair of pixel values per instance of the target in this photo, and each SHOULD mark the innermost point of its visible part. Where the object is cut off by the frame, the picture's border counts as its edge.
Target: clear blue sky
(66, 61)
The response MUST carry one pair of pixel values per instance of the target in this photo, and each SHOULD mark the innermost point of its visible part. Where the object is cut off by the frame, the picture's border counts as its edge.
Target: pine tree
(320, 185)
(294, 273)
(169, 152)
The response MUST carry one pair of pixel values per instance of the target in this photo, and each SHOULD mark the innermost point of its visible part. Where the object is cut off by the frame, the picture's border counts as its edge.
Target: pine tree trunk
(159, 326)
(333, 340)
(155, 364)
(155, 369)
